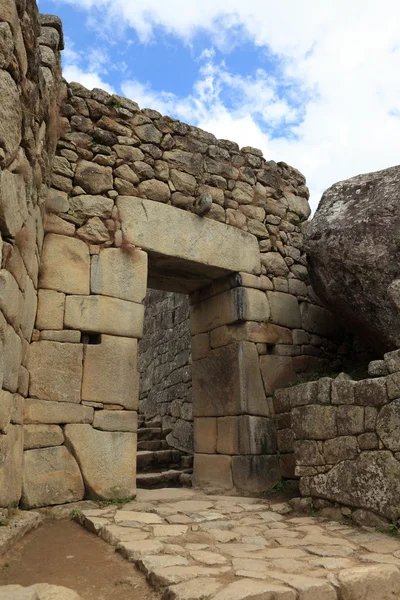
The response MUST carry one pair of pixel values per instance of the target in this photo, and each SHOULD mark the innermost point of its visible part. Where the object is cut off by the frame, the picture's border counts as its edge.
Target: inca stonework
(101, 201)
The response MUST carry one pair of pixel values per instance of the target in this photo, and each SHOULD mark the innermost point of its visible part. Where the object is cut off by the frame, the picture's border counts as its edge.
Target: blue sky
(312, 83)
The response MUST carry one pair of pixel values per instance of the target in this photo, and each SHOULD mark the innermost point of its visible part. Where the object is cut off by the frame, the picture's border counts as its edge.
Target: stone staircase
(159, 465)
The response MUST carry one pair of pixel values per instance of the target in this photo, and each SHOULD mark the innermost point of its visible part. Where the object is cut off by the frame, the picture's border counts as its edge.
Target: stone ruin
(99, 203)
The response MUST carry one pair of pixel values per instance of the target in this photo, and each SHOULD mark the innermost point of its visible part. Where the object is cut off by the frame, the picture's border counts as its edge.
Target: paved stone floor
(194, 546)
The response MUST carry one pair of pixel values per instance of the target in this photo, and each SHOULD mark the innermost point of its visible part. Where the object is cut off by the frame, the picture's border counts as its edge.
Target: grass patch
(114, 502)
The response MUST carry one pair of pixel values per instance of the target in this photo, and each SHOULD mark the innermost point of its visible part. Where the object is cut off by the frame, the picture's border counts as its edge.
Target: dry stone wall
(29, 85)
(165, 367)
(343, 438)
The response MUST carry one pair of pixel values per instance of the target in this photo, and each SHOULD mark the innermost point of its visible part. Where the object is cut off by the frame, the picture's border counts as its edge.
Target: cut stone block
(238, 304)
(11, 450)
(147, 224)
(11, 299)
(115, 420)
(45, 411)
(285, 309)
(246, 435)
(6, 406)
(255, 473)
(205, 435)
(107, 461)
(120, 274)
(65, 265)
(110, 373)
(314, 422)
(228, 382)
(87, 207)
(42, 436)
(65, 335)
(101, 314)
(12, 357)
(277, 372)
(55, 371)
(364, 583)
(213, 470)
(50, 311)
(50, 476)
(93, 178)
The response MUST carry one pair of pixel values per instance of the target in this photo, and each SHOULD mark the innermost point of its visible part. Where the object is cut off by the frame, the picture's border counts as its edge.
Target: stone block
(156, 190)
(65, 265)
(46, 411)
(11, 299)
(392, 361)
(371, 481)
(10, 116)
(308, 453)
(285, 309)
(17, 411)
(388, 425)
(12, 358)
(285, 439)
(213, 470)
(377, 368)
(255, 473)
(368, 441)
(287, 465)
(42, 436)
(371, 392)
(6, 405)
(110, 372)
(314, 422)
(65, 335)
(50, 476)
(228, 382)
(274, 264)
(393, 385)
(93, 178)
(277, 372)
(238, 304)
(369, 582)
(11, 450)
(50, 310)
(120, 274)
(55, 224)
(115, 420)
(106, 459)
(29, 310)
(316, 319)
(200, 346)
(340, 448)
(87, 207)
(205, 435)
(343, 391)
(146, 224)
(55, 371)
(102, 314)
(246, 434)
(350, 420)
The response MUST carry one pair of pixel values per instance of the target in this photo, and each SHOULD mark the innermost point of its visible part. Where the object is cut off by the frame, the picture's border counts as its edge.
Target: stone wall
(29, 85)
(165, 367)
(344, 439)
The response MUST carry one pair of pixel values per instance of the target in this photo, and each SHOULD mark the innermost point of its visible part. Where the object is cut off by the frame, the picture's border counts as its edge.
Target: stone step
(148, 459)
(159, 479)
(153, 445)
(149, 433)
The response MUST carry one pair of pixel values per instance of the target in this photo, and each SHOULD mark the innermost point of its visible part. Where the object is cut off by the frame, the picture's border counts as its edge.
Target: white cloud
(85, 68)
(345, 55)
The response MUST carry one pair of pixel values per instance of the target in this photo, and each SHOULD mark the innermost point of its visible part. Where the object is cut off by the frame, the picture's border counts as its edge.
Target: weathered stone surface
(13, 205)
(6, 404)
(277, 372)
(39, 591)
(55, 371)
(367, 583)
(120, 274)
(94, 232)
(93, 178)
(110, 373)
(392, 362)
(12, 357)
(195, 589)
(62, 335)
(10, 115)
(11, 450)
(314, 422)
(388, 425)
(88, 206)
(372, 481)
(228, 382)
(115, 420)
(350, 420)
(246, 435)
(45, 411)
(250, 589)
(11, 299)
(65, 265)
(274, 264)
(352, 239)
(106, 459)
(50, 476)
(371, 392)
(6, 45)
(340, 448)
(146, 224)
(153, 189)
(101, 313)
(50, 310)
(213, 470)
(255, 473)
(205, 435)
(285, 309)
(238, 304)
(42, 436)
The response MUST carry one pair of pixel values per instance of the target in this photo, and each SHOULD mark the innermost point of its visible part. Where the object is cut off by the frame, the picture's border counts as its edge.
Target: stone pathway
(194, 546)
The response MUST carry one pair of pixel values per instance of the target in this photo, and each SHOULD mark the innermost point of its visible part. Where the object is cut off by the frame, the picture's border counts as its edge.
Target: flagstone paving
(194, 546)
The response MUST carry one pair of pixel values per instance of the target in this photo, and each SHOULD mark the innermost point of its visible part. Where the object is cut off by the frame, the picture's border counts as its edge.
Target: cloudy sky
(315, 83)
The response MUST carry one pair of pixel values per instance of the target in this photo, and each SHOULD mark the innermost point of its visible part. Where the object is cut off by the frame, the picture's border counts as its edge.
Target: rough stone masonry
(99, 201)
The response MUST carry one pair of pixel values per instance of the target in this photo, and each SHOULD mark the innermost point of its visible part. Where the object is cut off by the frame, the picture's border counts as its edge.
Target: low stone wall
(165, 367)
(30, 76)
(345, 440)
